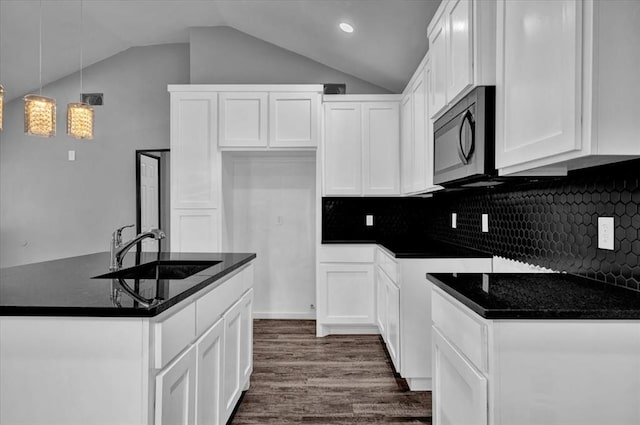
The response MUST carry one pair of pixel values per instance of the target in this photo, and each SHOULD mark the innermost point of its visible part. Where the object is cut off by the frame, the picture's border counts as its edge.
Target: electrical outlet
(312, 306)
(369, 220)
(605, 233)
(454, 220)
(485, 223)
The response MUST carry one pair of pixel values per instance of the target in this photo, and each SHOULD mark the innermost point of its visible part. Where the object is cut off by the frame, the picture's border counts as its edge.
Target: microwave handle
(465, 157)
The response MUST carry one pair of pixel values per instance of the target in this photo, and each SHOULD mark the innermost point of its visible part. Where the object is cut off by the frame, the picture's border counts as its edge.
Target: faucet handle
(118, 233)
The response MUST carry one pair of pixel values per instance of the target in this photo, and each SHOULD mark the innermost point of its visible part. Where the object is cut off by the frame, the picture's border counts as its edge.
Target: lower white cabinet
(210, 368)
(246, 342)
(388, 305)
(460, 394)
(527, 372)
(345, 290)
(232, 357)
(176, 390)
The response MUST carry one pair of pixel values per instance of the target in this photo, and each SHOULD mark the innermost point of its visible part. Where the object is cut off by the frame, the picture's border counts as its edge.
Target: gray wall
(53, 208)
(224, 55)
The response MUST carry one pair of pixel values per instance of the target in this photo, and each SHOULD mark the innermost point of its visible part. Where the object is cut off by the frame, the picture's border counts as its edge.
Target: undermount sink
(174, 270)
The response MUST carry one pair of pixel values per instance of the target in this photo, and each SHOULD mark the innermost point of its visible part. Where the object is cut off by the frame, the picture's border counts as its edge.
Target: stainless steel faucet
(119, 250)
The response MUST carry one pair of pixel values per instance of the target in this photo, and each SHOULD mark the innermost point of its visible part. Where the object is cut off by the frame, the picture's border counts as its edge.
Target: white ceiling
(388, 43)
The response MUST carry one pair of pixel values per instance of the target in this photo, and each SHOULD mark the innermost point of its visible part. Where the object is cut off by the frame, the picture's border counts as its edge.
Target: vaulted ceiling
(388, 42)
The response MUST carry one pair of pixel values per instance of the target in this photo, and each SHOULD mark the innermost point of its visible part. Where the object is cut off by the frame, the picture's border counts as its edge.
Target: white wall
(52, 208)
(224, 55)
(272, 200)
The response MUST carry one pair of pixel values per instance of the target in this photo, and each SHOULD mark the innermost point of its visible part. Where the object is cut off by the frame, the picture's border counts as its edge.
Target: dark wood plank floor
(300, 379)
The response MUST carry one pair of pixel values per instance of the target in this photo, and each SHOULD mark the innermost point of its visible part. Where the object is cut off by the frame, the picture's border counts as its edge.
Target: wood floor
(300, 379)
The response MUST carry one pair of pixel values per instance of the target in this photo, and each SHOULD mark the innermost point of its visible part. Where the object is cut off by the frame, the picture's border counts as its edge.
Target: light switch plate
(369, 220)
(454, 220)
(72, 155)
(605, 233)
(485, 223)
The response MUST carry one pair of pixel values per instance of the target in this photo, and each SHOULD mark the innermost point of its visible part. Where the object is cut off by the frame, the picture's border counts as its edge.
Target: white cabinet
(514, 371)
(361, 150)
(293, 119)
(462, 40)
(460, 391)
(195, 173)
(243, 119)
(381, 148)
(210, 369)
(388, 304)
(269, 119)
(342, 162)
(246, 342)
(417, 133)
(176, 391)
(345, 290)
(566, 92)
(232, 358)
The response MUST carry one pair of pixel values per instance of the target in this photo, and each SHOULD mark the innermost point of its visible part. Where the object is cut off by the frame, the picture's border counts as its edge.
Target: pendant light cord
(40, 48)
(81, 45)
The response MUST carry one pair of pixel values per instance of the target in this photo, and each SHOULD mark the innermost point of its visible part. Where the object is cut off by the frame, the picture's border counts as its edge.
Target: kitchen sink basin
(174, 270)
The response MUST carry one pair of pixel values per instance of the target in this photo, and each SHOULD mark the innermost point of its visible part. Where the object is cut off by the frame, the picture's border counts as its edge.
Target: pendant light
(80, 115)
(39, 111)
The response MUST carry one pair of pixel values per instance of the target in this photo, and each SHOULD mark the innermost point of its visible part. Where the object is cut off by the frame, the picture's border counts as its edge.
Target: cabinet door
(538, 91)
(246, 344)
(438, 48)
(460, 391)
(346, 293)
(342, 164)
(210, 368)
(393, 323)
(293, 119)
(195, 160)
(381, 303)
(459, 29)
(232, 358)
(175, 391)
(196, 230)
(381, 148)
(420, 156)
(243, 120)
(406, 143)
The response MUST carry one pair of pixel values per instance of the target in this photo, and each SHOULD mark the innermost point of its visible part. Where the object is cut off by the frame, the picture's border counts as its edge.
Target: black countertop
(539, 296)
(425, 248)
(65, 287)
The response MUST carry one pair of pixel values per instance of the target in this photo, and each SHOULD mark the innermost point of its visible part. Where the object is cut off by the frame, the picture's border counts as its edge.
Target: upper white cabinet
(462, 45)
(293, 119)
(566, 93)
(251, 120)
(361, 150)
(243, 119)
(416, 132)
(195, 172)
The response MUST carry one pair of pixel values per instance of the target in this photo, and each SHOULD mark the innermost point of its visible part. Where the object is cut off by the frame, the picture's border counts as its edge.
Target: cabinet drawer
(347, 253)
(173, 334)
(458, 324)
(388, 264)
(211, 306)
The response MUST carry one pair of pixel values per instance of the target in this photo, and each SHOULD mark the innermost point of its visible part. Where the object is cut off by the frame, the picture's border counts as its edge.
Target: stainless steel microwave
(464, 141)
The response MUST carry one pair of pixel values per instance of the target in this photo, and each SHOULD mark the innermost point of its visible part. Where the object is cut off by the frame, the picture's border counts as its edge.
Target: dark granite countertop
(65, 287)
(425, 248)
(539, 296)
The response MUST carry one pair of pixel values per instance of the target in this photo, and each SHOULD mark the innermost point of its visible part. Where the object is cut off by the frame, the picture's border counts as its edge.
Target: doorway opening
(153, 196)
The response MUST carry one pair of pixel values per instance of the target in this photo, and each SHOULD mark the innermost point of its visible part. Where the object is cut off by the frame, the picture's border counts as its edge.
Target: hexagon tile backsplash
(552, 223)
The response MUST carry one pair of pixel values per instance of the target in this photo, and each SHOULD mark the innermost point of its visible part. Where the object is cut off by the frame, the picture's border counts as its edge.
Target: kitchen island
(531, 348)
(78, 350)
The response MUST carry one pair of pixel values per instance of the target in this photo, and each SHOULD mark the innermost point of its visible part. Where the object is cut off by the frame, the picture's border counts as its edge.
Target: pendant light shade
(80, 115)
(1, 104)
(80, 121)
(39, 116)
(39, 111)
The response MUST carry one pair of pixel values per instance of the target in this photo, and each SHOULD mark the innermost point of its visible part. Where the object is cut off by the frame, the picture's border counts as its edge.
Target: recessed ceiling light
(346, 27)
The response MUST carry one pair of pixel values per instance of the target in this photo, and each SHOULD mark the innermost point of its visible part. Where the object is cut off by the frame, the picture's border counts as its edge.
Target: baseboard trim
(324, 330)
(284, 316)
(420, 384)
